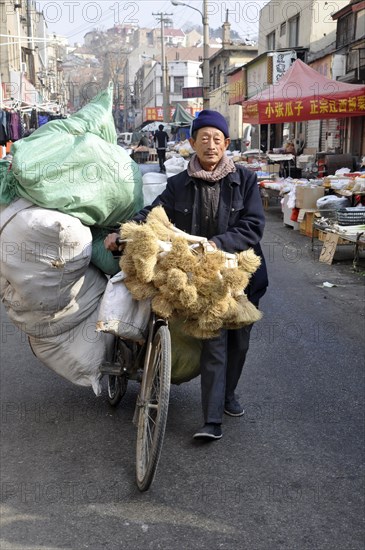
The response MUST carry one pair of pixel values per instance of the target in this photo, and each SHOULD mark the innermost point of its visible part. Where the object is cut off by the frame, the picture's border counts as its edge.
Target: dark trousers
(161, 153)
(221, 364)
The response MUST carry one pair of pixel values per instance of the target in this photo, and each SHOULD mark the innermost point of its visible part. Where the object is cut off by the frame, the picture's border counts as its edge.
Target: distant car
(125, 138)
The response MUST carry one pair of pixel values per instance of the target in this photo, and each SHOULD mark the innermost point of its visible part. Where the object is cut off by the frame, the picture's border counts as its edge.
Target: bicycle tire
(117, 386)
(153, 408)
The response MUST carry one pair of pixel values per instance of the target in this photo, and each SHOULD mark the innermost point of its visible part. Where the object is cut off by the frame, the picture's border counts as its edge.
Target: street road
(287, 475)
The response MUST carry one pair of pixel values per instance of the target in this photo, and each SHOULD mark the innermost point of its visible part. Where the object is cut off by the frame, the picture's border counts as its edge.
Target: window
(345, 30)
(178, 84)
(283, 28)
(270, 40)
(294, 32)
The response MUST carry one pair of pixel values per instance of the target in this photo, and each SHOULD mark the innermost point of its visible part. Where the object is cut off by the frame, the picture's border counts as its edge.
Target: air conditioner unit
(23, 67)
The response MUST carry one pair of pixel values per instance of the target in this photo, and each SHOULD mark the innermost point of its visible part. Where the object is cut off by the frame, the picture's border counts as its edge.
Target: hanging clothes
(33, 119)
(15, 126)
(42, 119)
(4, 137)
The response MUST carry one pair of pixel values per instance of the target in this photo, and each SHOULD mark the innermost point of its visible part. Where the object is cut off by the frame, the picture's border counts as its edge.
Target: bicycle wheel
(117, 386)
(153, 407)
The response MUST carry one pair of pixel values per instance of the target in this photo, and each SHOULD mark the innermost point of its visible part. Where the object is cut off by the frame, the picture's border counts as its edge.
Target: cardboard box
(306, 197)
(306, 219)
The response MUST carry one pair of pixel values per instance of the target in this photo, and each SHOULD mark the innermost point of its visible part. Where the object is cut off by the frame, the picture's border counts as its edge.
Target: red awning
(304, 94)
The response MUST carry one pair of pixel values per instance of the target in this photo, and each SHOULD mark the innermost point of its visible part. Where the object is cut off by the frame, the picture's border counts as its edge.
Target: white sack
(175, 165)
(86, 294)
(153, 177)
(151, 191)
(76, 354)
(332, 202)
(153, 185)
(120, 314)
(43, 253)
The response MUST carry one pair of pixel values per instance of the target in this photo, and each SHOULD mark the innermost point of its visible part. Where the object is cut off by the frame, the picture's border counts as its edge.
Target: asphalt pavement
(288, 475)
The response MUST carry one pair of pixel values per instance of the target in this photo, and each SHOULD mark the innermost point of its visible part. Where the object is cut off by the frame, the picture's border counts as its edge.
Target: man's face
(209, 146)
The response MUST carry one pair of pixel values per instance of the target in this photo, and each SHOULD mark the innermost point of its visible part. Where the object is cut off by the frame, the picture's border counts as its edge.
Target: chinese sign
(281, 63)
(306, 109)
(156, 113)
(195, 91)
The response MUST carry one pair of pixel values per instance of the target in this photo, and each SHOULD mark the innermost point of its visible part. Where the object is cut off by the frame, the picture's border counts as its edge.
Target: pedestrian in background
(161, 138)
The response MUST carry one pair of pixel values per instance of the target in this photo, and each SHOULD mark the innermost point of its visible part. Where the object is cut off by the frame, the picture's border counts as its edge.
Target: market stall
(181, 122)
(303, 94)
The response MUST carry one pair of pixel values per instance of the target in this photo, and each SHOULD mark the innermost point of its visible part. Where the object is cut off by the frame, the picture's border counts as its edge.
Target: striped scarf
(225, 166)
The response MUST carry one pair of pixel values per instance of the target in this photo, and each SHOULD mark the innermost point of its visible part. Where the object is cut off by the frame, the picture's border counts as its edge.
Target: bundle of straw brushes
(186, 278)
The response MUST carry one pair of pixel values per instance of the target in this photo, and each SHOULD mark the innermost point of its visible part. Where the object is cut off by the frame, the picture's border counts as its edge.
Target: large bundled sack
(153, 185)
(43, 255)
(74, 165)
(120, 314)
(51, 291)
(77, 353)
(86, 294)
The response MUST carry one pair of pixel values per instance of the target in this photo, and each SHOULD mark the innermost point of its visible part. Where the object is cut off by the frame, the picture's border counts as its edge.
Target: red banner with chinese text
(304, 94)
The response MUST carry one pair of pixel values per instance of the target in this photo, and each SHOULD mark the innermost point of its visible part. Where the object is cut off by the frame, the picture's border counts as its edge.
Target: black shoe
(233, 408)
(209, 432)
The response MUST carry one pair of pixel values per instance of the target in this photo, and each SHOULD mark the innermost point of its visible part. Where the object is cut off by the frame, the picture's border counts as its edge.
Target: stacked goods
(68, 185)
(51, 291)
(75, 166)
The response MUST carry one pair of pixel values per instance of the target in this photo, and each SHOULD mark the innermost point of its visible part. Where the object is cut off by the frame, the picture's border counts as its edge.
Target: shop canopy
(181, 117)
(304, 94)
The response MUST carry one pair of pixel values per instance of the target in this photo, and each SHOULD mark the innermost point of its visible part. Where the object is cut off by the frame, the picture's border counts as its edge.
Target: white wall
(316, 27)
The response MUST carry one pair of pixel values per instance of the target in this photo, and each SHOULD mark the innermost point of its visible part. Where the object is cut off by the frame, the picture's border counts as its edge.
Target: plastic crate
(351, 216)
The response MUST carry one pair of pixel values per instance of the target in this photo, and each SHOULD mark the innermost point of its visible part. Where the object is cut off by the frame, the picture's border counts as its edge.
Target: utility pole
(206, 76)
(165, 98)
(126, 93)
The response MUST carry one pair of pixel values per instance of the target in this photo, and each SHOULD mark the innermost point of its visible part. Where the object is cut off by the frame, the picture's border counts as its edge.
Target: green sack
(100, 256)
(7, 183)
(75, 166)
(185, 354)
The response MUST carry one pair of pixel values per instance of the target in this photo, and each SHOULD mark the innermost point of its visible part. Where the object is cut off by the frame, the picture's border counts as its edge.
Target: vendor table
(332, 238)
(281, 158)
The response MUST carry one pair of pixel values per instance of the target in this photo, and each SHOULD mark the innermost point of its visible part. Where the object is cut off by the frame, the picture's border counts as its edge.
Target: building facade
(31, 66)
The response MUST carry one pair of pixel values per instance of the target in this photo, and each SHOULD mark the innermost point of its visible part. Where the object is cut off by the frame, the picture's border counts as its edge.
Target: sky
(74, 18)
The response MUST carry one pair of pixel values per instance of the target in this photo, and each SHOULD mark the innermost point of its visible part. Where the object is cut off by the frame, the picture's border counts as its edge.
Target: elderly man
(219, 200)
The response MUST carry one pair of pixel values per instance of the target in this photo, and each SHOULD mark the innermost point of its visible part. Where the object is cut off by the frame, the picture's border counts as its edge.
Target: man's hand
(110, 243)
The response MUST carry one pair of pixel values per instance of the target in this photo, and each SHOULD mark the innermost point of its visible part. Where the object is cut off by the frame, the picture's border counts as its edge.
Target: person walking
(161, 138)
(220, 200)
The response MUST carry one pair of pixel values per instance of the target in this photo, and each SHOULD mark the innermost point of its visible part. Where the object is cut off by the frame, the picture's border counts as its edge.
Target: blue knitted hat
(210, 118)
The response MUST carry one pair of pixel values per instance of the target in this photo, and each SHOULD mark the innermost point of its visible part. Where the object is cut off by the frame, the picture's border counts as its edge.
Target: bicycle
(150, 364)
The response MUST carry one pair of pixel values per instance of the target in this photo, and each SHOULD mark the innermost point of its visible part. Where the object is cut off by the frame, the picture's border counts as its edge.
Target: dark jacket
(161, 138)
(241, 218)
